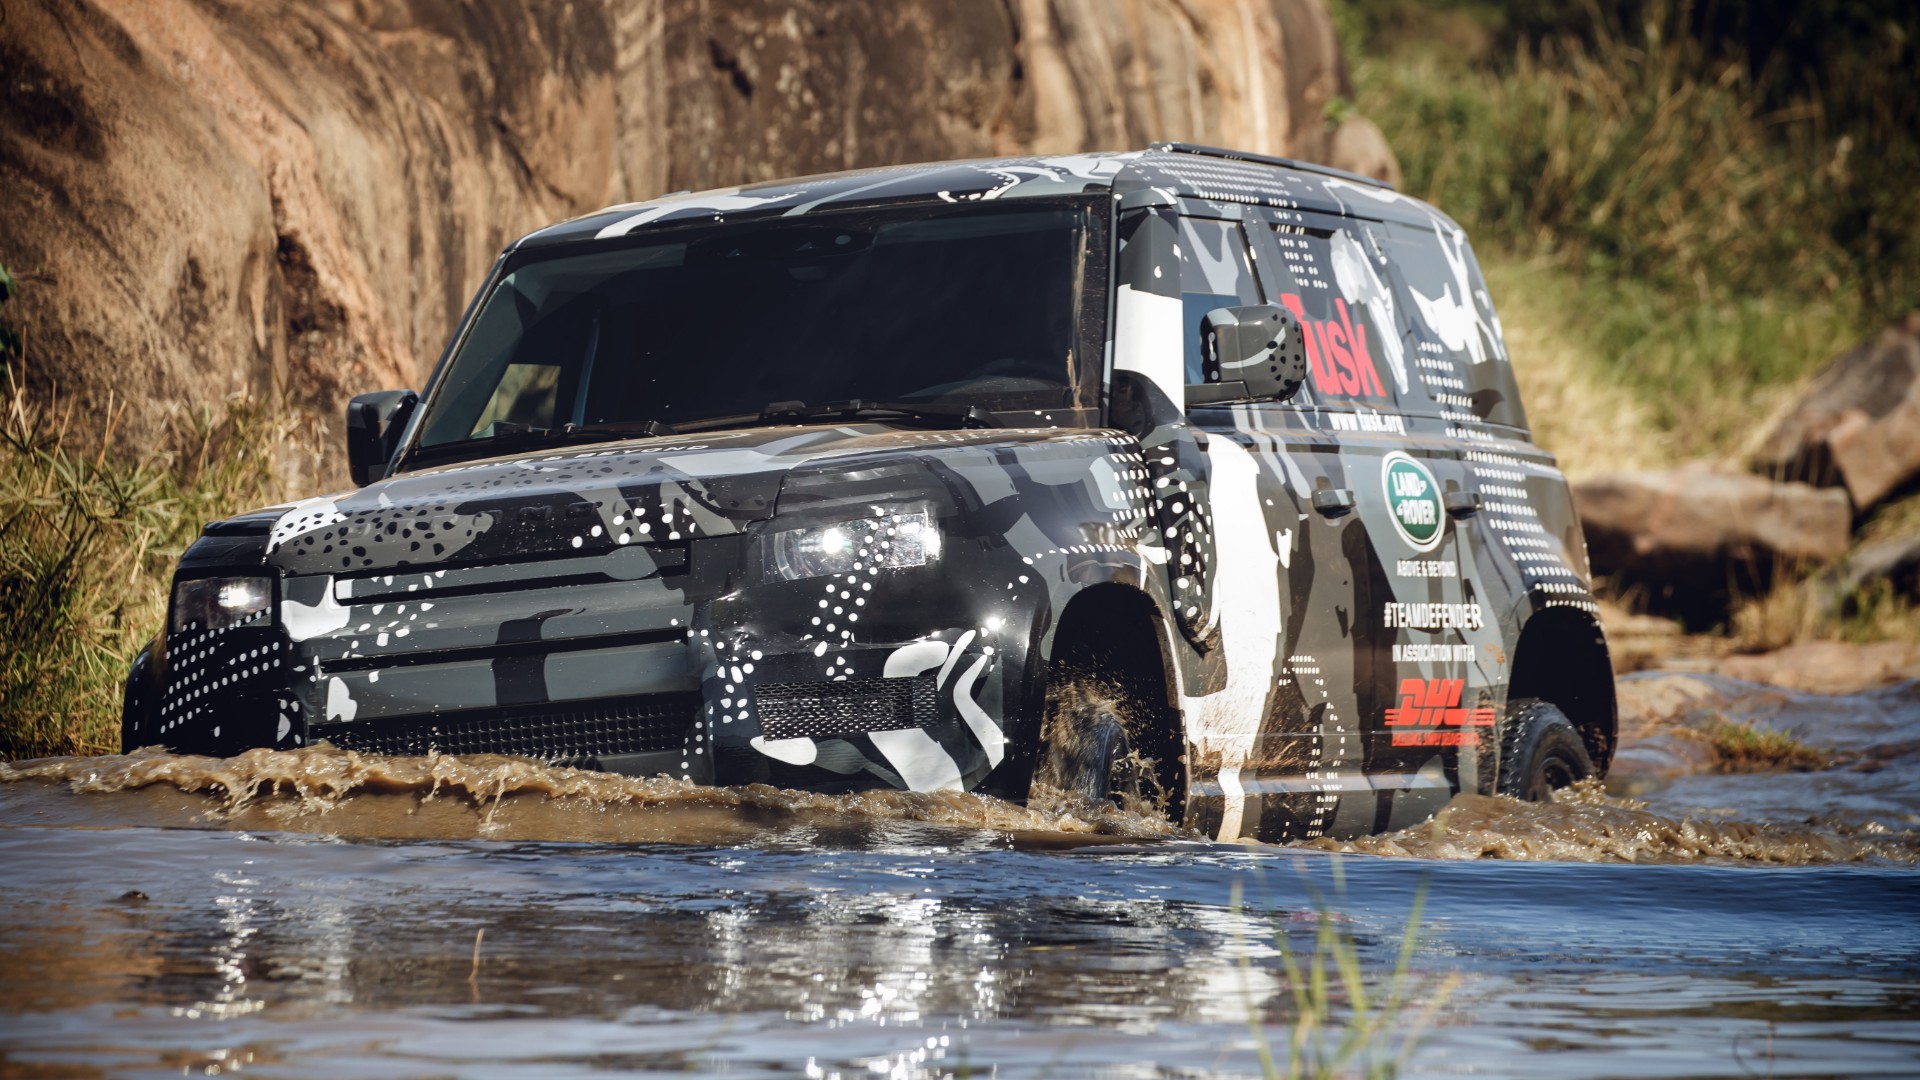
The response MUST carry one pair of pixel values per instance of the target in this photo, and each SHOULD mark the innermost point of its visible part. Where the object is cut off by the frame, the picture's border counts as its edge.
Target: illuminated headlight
(215, 603)
(888, 540)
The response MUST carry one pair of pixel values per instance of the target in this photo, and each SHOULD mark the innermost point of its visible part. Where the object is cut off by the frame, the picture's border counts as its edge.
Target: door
(1355, 479)
(1283, 732)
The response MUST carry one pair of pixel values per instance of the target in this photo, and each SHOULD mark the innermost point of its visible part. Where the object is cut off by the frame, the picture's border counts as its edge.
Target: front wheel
(1540, 752)
(1090, 754)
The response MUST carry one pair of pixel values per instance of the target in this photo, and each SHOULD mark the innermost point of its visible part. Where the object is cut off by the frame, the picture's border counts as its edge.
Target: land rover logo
(1414, 500)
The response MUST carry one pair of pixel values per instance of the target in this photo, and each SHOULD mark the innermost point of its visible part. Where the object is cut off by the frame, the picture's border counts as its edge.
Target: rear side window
(1215, 272)
(1452, 333)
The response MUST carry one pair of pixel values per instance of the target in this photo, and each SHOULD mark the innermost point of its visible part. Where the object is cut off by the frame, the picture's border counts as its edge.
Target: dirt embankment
(296, 199)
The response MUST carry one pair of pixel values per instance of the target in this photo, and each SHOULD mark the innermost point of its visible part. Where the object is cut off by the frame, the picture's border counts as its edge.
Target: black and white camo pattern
(627, 570)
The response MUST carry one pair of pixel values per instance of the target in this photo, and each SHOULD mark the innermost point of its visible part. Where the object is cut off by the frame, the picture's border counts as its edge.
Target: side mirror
(1255, 352)
(374, 423)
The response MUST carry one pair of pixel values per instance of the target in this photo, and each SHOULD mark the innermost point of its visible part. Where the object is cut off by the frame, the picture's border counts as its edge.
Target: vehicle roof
(1172, 169)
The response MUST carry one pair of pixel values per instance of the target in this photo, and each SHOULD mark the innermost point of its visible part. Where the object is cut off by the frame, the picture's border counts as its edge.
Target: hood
(585, 500)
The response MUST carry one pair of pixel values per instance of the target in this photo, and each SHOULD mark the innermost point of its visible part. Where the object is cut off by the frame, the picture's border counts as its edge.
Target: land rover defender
(1185, 473)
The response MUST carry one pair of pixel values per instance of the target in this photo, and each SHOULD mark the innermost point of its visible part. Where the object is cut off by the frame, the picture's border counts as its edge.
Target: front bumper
(646, 661)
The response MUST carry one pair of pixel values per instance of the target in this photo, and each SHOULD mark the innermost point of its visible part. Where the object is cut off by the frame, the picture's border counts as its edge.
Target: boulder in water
(1858, 424)
(1683, 538)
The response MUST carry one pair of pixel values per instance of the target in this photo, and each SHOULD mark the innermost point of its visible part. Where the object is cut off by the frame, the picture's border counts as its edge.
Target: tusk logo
(1413, 499)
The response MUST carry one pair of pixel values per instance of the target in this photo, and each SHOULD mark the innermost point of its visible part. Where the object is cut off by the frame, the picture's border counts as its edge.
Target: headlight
(887, 540)
(215, 603)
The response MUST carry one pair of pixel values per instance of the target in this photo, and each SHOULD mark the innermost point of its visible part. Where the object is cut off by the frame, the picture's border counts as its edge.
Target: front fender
(1027, 524)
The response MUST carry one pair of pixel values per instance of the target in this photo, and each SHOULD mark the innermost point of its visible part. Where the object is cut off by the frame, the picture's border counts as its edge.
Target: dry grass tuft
(1743, 748)
(87, 546)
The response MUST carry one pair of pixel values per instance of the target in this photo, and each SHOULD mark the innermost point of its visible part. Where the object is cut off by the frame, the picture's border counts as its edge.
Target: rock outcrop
(1858, 424)
(1686, 537)
(294, 199)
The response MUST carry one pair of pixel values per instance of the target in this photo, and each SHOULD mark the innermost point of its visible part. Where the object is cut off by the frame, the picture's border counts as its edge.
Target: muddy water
(323, 914)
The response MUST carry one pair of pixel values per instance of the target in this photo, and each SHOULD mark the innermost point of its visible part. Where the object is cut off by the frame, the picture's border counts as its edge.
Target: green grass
(1616, 375)
(1685, 248)
(1743, 748)
(1347, 1020)
(87, 546)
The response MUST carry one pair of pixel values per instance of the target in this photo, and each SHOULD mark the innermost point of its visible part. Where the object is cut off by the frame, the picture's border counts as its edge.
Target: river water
(322, 914)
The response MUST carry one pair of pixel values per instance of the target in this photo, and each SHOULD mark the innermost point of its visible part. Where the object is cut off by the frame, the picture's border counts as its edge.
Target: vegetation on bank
(1742, 748)
(1690, 206)
(87, 546)
(1683, 210)
(1347, 1020)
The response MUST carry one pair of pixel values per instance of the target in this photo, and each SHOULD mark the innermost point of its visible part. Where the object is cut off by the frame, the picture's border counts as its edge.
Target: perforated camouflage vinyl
(1340, 580)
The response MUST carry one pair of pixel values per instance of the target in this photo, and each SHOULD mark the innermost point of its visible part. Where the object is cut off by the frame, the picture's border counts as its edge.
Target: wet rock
(1653, 702)
(1680, 538)
(1858, 424)
(296, 200)
(1661, 755)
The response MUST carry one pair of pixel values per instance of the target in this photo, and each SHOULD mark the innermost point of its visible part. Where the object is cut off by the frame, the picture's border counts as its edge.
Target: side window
(1331, 273)
(1451, 330)
(1215, 272)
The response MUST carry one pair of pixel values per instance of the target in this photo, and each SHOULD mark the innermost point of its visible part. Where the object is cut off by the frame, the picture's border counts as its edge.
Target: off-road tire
(1084, 750)
(1540, 751)
(1088, 753)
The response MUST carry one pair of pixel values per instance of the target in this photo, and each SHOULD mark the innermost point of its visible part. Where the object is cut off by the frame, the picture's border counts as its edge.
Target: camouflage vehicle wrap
(1334, 597)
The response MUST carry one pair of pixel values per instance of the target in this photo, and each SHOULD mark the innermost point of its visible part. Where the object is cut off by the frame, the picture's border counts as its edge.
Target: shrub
(87, 546)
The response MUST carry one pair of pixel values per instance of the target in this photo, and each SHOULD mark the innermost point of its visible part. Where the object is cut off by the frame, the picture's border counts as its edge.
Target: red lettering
(1435, 703)
(1342, 359)
(1323, 381)
(1337, 355)
(1436, 738)
(1329, 371)
(1368, 375)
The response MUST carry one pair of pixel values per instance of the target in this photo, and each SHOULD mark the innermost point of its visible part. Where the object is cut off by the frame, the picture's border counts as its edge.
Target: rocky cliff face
(293, 200)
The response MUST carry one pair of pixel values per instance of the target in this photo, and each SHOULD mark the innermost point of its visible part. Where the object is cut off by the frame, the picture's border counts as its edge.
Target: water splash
(322, 789)
(1584, 824)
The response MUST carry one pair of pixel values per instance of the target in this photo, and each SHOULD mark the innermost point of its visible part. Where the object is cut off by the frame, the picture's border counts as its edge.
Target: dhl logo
(1337, 354)
(1435, 704)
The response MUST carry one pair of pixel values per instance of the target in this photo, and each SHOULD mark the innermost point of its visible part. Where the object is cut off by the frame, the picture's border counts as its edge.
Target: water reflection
(757, 932)
(937, 957)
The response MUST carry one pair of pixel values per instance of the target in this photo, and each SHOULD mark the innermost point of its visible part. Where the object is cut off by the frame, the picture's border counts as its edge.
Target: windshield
(942, 307)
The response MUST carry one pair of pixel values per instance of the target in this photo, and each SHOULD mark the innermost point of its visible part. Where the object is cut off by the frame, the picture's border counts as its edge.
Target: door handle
(1333, 502)
(1463, 503)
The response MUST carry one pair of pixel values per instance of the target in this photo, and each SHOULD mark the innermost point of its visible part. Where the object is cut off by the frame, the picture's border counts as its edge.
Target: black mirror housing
(1250, 353)
(374, 424)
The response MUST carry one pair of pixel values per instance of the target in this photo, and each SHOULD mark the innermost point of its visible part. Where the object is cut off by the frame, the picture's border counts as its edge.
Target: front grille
(821, 710)
(556, 733)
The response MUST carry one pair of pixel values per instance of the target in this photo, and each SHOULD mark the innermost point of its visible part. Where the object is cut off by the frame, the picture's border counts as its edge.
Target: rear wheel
(1540, 752)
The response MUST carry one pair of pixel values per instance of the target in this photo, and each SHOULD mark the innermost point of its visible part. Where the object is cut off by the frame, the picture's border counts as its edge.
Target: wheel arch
(1119, 630)
(1561, 657)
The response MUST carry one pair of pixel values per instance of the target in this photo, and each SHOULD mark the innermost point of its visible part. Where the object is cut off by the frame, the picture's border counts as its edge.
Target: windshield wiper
(510, 436)
(632, 429)
(787, 412)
